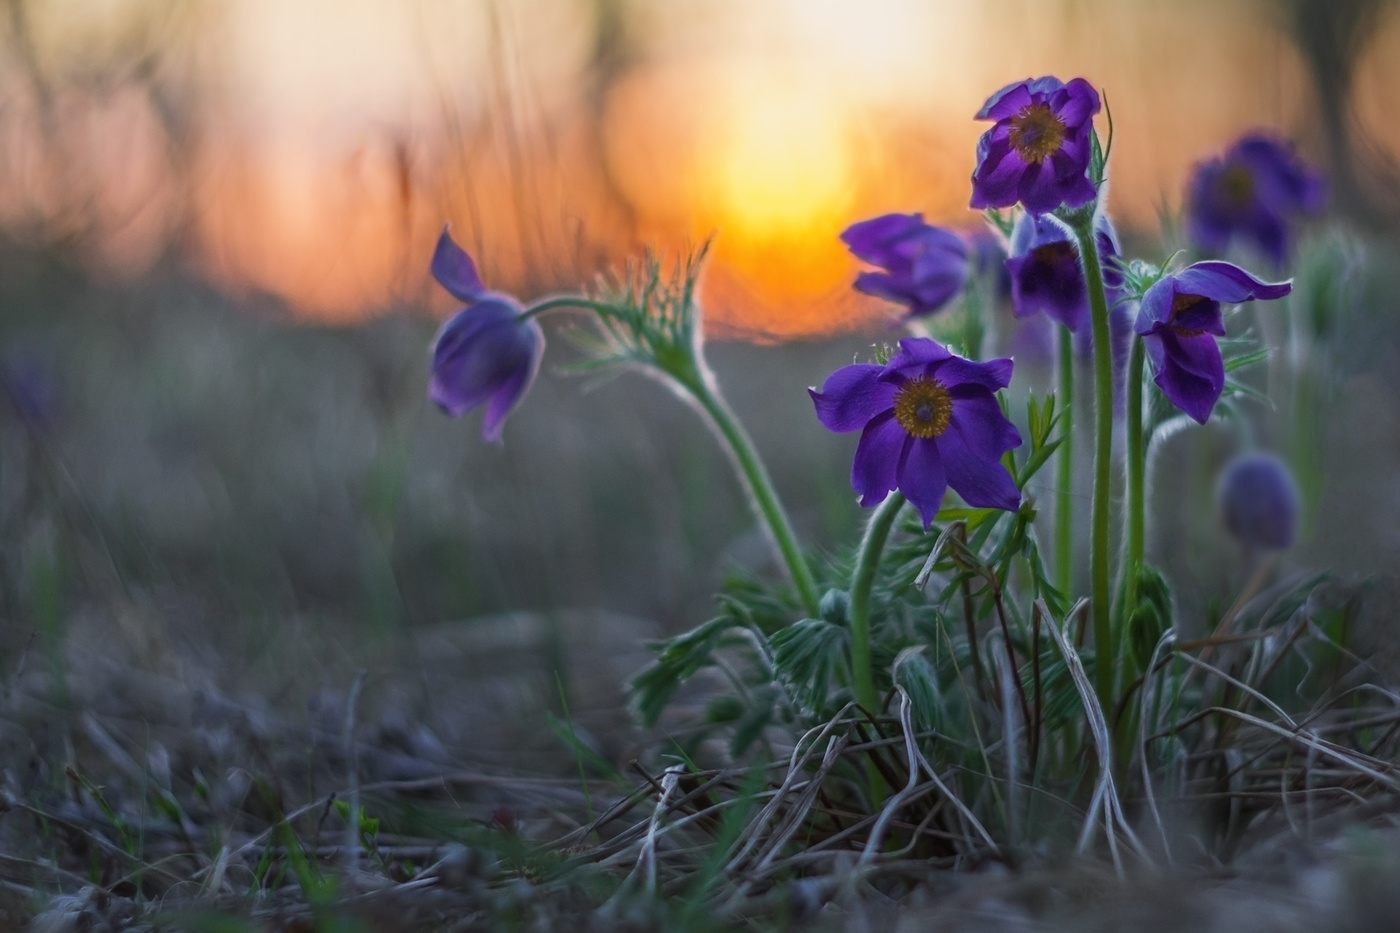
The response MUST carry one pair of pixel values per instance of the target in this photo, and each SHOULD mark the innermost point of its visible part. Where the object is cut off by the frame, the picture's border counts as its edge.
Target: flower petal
(957, 372)
(1189, 371)
(851, 396)
(981, 427)
(455, 271)
(981, 481)
(917, 352)
(878, 455)
(922, 478)
(1227, 282)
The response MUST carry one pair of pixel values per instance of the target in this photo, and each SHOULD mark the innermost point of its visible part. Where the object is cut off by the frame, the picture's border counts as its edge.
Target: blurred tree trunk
(1333, 35)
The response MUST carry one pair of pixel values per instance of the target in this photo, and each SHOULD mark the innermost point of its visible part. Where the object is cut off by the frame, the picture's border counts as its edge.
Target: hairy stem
(1064, 468)
(762, 496)
(872, 544)
(1105, 644)
(1137, 470)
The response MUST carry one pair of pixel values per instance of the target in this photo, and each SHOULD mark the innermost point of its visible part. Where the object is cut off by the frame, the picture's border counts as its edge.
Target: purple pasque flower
(1259, 501)
(1038, 150)
(1046, 274)
(924, 265)
(486, 354)
(1254, 192)
(928, 420)
(1178, 320)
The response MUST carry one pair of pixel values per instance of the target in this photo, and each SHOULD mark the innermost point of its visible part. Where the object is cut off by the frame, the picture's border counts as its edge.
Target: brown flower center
(1036, 133)
(923, 407)
(1238, 185)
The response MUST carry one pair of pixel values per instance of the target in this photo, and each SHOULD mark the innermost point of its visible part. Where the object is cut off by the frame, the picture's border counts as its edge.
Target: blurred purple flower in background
(30, 386)
(1038, 151)
(1180, 317)
(1046, 274)
(1254, 191)
(924, 265)
(485, 354)
(928, 420)
(1259, 501)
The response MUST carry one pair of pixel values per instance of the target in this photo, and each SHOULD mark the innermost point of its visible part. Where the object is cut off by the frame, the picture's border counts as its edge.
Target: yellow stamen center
(1036, 133)
(923, 407)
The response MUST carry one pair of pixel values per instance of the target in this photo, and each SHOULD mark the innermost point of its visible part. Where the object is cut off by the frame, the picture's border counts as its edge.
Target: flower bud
(1259, 501)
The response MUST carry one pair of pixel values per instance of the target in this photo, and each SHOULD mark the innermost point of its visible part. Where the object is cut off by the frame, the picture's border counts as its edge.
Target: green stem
(872, 544)
(1105, 645)
(762, 496)
(1137, 469)
(1064, 470)
(554, 303)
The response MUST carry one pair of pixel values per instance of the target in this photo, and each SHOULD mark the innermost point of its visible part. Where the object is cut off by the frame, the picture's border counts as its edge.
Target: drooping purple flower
(1180, 317)
(928, 420)
(1038, 150)
(1046, 274)
(1255, 191)
(924, 265)
(485, 354)
(1259, 501)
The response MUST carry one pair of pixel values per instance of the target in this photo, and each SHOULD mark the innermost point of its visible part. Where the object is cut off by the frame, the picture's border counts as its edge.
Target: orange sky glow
(337, 136)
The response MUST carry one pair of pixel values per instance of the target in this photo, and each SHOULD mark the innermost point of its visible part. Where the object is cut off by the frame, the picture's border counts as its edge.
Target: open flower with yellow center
(928, 420)
(1037, 152)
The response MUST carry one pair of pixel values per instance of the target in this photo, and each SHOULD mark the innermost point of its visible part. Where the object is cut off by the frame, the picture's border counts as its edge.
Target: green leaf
(806, 655)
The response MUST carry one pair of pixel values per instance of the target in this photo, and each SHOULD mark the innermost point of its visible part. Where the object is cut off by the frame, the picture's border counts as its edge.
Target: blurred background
(217, 462)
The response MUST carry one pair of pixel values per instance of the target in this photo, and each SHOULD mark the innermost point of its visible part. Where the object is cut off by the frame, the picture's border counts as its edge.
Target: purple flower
(1046, 274)
(1180, 317)
(1259, 501)
(1253, 191)
(928, 420)
(924, 265)
(1038, 150)
(487, 353)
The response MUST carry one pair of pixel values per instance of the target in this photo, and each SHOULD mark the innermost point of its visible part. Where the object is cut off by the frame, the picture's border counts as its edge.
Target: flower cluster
(928, 420)
(486, 354)
(1253, 192)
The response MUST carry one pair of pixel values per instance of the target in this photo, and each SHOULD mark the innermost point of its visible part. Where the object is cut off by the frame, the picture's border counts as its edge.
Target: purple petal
(1155, 308)
(508, 394)
(455, 271)
(922, 479)
(877, 459)
(981, 426)
(957, 372)
(1081, 104)
(869, 238)
(852, 396)
(981, 481)
(917, 352)
(1189, 371)
(1226, 282)
(1008, 101)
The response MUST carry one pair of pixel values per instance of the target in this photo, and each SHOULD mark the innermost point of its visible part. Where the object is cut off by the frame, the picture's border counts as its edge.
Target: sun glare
(782, 166)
